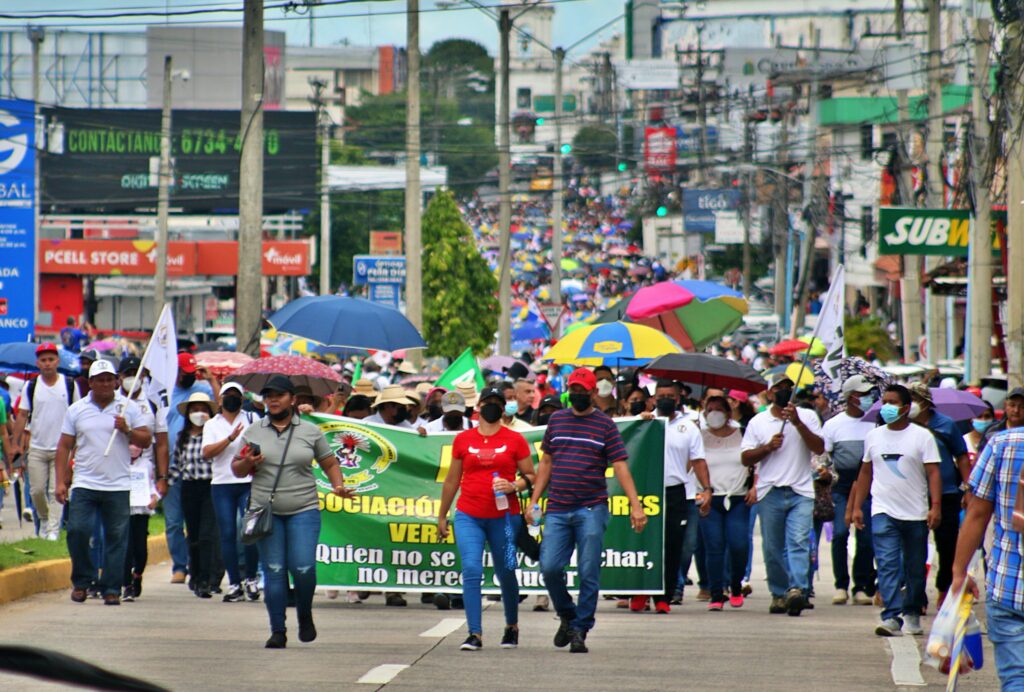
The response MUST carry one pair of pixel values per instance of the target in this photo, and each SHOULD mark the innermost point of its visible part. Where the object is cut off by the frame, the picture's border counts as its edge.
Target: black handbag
(258, 522)
(527, 544)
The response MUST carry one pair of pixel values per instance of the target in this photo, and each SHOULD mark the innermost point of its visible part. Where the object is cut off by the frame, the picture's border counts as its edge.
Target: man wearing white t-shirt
(901, 469)
(102, 482)
(780, 441)
(45, 400)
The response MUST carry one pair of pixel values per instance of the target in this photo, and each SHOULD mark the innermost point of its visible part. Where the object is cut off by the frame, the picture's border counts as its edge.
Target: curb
(53, 575)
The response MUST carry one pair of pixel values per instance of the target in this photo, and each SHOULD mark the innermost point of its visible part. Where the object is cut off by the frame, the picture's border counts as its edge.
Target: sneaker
(578, 645)
(53, 536)
(703, 595)
(395, 599)
(472, 643)
(136, 585)
(442, 601)
(352, 597)
(736, 601)
(235, 594)
(203, 591)
(178, 578)
(747, 590)
(307, 630)
(862, 599)
(252, 590)
(841, 597)
(716, 605)
(677, 598)
(639, 604)
(662, 608)
(128, 595)
(112, 599)
(564, 634)
(542, 604)
(95, 592)
(912, 625)
(795, 601)
(26, 515)
(278, 640)
(510, 639)
(778, 605)
(889, 628)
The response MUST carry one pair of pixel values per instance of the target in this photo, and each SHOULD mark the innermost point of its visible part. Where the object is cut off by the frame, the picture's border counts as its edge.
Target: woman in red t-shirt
(484, 464)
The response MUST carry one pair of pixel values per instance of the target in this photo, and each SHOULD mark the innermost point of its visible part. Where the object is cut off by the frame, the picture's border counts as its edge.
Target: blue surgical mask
(866, 402)
(981, 426)
(511, 408)
(890, 413)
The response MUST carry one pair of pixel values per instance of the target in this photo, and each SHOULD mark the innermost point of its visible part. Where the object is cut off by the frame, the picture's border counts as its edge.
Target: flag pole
(135, 383)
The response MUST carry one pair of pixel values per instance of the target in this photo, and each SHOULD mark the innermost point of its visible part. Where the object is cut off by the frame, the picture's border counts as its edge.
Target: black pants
(200, 529)
(138, 547)
(675, 528)
(945, 540)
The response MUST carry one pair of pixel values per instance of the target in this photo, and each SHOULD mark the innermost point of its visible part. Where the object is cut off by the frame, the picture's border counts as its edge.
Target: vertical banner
(660, 149)
(385, 538)
(17, 220)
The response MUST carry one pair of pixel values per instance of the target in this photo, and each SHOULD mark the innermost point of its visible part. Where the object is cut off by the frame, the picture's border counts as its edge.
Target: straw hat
(363, 387)
(392, 394)
(469, 393)
(198, 398)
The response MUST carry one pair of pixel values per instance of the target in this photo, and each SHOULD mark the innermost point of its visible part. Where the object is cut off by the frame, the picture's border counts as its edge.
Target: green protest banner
(463, 370)
(385, 538)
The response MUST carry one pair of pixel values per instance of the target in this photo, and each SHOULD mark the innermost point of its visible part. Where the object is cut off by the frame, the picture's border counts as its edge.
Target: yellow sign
(607, 347)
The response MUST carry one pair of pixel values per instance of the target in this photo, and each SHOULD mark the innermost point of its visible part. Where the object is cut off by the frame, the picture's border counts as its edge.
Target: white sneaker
(841, 597)
(862, 599)
(912, 625)
(53, 536)
(889, 628)
(26, 515)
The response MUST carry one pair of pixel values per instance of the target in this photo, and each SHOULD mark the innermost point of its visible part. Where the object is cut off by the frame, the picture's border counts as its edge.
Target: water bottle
(536, 516)
(500, 498)
(972, 643)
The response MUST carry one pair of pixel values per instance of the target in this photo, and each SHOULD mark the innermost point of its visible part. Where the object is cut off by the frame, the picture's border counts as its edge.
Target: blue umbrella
(20, 356)
(530, 331)
(348, 322)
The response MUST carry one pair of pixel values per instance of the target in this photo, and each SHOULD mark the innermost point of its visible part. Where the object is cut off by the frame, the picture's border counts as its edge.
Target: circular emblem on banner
(12, 147)
(362, 453)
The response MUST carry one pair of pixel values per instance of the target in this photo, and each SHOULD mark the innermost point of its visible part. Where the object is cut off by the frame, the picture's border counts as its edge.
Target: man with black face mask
(548, 405)
(392, 407)
(453, 415)
(685, 470)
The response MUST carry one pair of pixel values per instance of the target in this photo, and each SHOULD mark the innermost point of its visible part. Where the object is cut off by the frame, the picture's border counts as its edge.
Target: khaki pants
(40, 474)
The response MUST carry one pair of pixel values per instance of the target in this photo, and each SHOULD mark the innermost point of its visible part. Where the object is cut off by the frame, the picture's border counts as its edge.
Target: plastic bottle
(500, 498)
(972, 643)
(536, 516)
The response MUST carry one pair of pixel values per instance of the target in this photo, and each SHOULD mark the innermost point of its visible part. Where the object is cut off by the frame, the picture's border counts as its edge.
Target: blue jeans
(111, 506)
(690, 533)
(1006, 632)
(901, 549)
(582, 529)
(470, 534)
(229, 502)
(725, 529)
(290, 548)
(750, 543)
(864, 555)
(786, 539)
(174, 528)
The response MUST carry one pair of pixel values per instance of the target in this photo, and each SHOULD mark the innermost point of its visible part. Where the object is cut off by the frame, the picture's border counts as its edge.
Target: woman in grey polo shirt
(291, 547)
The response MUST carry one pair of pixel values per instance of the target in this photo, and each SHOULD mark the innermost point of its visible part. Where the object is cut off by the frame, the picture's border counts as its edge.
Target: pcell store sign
(369, 269)
(935, 232)
(701, 206)
(17, 220)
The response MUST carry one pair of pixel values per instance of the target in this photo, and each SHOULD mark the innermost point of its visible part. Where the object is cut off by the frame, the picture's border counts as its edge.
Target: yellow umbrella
(806, 377)
(817, 349)
(612, 343)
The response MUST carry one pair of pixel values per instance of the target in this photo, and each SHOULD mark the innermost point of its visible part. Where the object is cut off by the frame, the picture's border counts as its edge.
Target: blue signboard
(385, 294)
(370, 269)
(700, 206)
(17, 220)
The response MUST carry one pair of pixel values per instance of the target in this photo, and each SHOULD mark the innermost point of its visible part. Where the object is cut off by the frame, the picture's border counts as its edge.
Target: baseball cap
(550, 402)
(100, 367)
(491, 392)
(46, 348)
(453, 401)
(920, 389)
(856, 384)
(129, 364)
(584, 378)
(228, 386)
(89, 354)
(777, 379)
(1016, 391)
(186, 362)
(277, 383)
(738, 395)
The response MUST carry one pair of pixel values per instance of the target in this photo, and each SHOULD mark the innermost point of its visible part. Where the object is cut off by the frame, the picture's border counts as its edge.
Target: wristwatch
(964, 487)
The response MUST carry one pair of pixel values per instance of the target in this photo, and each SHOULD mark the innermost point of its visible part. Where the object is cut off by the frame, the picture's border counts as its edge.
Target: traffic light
(662, 211)
(540, 121)
(622, 166)
(566, 149)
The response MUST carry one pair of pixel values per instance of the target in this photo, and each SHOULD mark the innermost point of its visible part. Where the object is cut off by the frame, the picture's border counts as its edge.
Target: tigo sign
(936, 232)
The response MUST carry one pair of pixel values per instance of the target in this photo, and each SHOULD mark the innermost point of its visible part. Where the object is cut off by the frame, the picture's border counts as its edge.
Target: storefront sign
(934, 232)
(660, 149)
(700, 207)
(17, 220)
(369, 269)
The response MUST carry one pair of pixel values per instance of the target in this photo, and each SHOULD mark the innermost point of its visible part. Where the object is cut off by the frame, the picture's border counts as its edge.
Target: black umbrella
(616, 313)
(707, 370)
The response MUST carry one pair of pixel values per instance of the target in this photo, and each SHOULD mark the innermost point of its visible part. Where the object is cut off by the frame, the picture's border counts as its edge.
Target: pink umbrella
(302, 371)
(102, 345)
(222, 363)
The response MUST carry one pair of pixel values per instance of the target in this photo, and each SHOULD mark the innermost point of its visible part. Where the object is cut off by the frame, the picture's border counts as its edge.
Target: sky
(360, 23)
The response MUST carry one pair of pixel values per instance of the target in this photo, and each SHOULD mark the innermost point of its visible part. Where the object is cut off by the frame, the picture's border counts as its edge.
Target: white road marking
(381, 675)
(906, 662)
(444, 628)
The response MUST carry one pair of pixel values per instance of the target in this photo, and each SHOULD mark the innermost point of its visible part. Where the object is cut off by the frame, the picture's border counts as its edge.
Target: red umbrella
(222, 363)
(788, 347)
(302, 371)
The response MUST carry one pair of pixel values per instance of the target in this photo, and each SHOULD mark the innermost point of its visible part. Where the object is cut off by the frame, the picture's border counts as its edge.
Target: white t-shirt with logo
(91, 427)
(218, 429)
(790, 464)
(683, 444)
(51, 403)
(899, 483)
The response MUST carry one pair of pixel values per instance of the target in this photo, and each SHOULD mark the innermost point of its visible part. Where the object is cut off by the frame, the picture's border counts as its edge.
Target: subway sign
(935, 232)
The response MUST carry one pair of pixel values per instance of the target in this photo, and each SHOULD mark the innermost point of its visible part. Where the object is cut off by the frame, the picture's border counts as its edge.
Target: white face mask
(915, 410)
(128, 383)
(605, 388)
(199, 418)
(716, 419)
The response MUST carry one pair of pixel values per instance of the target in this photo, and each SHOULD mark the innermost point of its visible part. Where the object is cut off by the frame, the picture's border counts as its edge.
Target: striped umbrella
(615, 343)
(694, 313)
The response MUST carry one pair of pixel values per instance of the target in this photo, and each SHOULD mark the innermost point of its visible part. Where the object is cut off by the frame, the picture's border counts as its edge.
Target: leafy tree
(595, 147)
(461, 70)
(870, 333)
(460, 308)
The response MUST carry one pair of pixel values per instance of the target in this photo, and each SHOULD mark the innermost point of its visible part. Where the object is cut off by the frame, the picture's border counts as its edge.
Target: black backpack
(69, 383)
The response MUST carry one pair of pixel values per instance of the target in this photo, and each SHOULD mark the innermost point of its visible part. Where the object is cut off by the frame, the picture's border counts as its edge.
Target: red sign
(138, 257)
(385, 242)
(660, 149)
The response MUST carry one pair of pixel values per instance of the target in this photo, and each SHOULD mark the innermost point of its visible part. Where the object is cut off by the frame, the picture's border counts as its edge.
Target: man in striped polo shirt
(579, 445)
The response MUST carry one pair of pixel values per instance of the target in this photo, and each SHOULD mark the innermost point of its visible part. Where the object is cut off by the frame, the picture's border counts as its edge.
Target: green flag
(463, 370)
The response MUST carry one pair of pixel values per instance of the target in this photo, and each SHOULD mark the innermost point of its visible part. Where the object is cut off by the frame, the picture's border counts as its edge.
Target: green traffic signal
(662, 211)
(566, 148)
(540, 121)
(622, 166)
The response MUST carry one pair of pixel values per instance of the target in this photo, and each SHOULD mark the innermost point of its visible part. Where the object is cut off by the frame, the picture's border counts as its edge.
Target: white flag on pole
(830, 327)
(161, 359)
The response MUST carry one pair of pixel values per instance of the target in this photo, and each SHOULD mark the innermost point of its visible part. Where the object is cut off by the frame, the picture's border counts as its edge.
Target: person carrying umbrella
(955, 469)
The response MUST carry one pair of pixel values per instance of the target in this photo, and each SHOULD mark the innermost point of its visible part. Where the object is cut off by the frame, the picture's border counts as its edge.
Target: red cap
(46, 348)
(186, 362)
(739, 395)
(583, 377)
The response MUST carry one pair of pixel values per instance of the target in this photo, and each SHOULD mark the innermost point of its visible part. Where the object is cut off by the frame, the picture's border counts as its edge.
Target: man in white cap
(102, 482)
(392, 407)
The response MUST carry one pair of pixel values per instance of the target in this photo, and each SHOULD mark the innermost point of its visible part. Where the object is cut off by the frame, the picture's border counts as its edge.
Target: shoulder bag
(258, 522)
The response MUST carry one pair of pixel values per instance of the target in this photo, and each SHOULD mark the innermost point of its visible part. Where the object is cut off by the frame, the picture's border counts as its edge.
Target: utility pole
(323, 120)
(979, 247)
(702, 110)
(779, 213)
(413, 238)
(934, 179)
(36, 34)
(163, 195)
(249, 287)
(1012, 57)
(810, 196)
(557, 199)
(748, 210)
(504, 192)
(910, 284)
